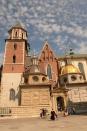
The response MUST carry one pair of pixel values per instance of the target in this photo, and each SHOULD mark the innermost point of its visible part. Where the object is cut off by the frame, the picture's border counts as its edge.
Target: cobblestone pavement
(70, 123)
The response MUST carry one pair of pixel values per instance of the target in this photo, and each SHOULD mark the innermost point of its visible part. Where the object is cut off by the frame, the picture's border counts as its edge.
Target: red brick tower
(16, 49)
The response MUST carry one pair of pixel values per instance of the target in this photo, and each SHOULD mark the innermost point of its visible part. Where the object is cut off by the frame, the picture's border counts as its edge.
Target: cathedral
(29, 83)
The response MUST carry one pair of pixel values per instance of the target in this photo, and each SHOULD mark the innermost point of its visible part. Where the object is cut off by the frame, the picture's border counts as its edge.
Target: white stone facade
(10, 81)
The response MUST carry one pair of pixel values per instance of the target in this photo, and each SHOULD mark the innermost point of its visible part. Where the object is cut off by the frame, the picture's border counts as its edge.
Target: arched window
(81, 68)
(12, 94)
(15, 46)
(16, 34)
(14, 59)
(49, 73)
(22, 35)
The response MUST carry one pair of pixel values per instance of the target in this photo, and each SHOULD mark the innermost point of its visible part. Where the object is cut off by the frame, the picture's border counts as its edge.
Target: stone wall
(78, 94)
(10, 81)
(35, 96)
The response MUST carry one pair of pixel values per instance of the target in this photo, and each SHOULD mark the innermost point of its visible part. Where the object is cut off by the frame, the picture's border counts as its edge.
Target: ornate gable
(46, 53)
(48, 62)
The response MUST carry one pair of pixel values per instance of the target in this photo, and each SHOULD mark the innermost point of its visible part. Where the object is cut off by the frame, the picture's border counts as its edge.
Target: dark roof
(74, 56)
(33, 69)
(17, 25)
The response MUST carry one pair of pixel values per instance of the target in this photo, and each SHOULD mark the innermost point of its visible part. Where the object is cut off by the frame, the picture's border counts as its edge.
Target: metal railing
(5, 111)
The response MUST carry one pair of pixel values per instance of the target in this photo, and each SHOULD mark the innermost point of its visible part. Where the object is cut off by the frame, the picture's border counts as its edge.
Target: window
(16, 34)
(22, 35)
(12, 94)
(51, 55)
(65, 80)
(35, 78)
(81, 68)
(43, 79)
(15, 46)
(26, 80)
(49, 74)
(80, 65)
(46, 47)
(80, 77)
(73, 78)
(14, 59)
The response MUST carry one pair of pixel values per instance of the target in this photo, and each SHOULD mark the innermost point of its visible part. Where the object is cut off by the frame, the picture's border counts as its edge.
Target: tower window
(14, 59)
(16, 34)
(22, 35)
(12, 94)
(49, 74)
(15, 46)
(81, 68)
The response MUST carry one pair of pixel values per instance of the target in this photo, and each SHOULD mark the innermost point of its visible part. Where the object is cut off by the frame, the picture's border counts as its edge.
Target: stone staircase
(27, 111)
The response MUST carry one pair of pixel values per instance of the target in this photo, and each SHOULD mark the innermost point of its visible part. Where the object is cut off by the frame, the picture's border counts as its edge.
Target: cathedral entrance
(60, 103)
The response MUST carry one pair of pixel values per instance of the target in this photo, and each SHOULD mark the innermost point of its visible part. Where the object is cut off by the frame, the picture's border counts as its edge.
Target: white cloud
(82, 49)
(46, 17)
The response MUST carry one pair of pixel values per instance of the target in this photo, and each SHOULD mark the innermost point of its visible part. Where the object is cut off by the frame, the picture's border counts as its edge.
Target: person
(65, 112)
(74, 112)
(43, 113)
(53, 115)
(59, 107)
(71, 110)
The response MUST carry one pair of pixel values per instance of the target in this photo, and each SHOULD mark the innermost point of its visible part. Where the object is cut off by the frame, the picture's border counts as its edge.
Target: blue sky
(62, 22)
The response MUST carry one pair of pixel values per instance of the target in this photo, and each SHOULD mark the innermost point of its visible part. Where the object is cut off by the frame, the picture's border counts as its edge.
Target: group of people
(53, 115)
(43, 114)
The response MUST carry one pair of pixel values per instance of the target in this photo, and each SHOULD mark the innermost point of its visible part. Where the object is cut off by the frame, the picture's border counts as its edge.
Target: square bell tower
(16, 49)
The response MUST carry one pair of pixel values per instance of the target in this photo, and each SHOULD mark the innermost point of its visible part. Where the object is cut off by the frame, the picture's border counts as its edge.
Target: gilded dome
(69, 69)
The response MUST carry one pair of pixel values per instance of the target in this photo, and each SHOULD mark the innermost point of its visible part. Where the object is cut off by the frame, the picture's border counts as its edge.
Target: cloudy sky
(62, 22)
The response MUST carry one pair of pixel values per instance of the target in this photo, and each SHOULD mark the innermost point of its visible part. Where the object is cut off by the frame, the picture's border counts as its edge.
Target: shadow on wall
(79, 107)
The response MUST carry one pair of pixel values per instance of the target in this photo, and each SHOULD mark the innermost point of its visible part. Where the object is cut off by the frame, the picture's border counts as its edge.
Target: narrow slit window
(49, 72)
(15, 46)
(14, 59)
(16, 34)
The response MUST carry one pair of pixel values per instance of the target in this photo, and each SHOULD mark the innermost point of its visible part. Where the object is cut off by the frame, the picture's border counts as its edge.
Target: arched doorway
(60, 103)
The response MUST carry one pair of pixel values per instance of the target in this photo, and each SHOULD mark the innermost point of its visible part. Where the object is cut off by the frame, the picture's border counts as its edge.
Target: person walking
(53, 115)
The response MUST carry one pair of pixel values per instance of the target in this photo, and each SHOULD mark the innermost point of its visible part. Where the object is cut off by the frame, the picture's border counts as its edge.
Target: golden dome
(69, 69)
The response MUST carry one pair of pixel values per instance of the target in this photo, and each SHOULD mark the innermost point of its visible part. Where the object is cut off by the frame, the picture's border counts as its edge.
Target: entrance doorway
(60, 103)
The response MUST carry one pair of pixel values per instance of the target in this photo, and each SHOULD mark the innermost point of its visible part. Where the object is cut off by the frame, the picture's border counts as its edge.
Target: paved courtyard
(70, 123)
